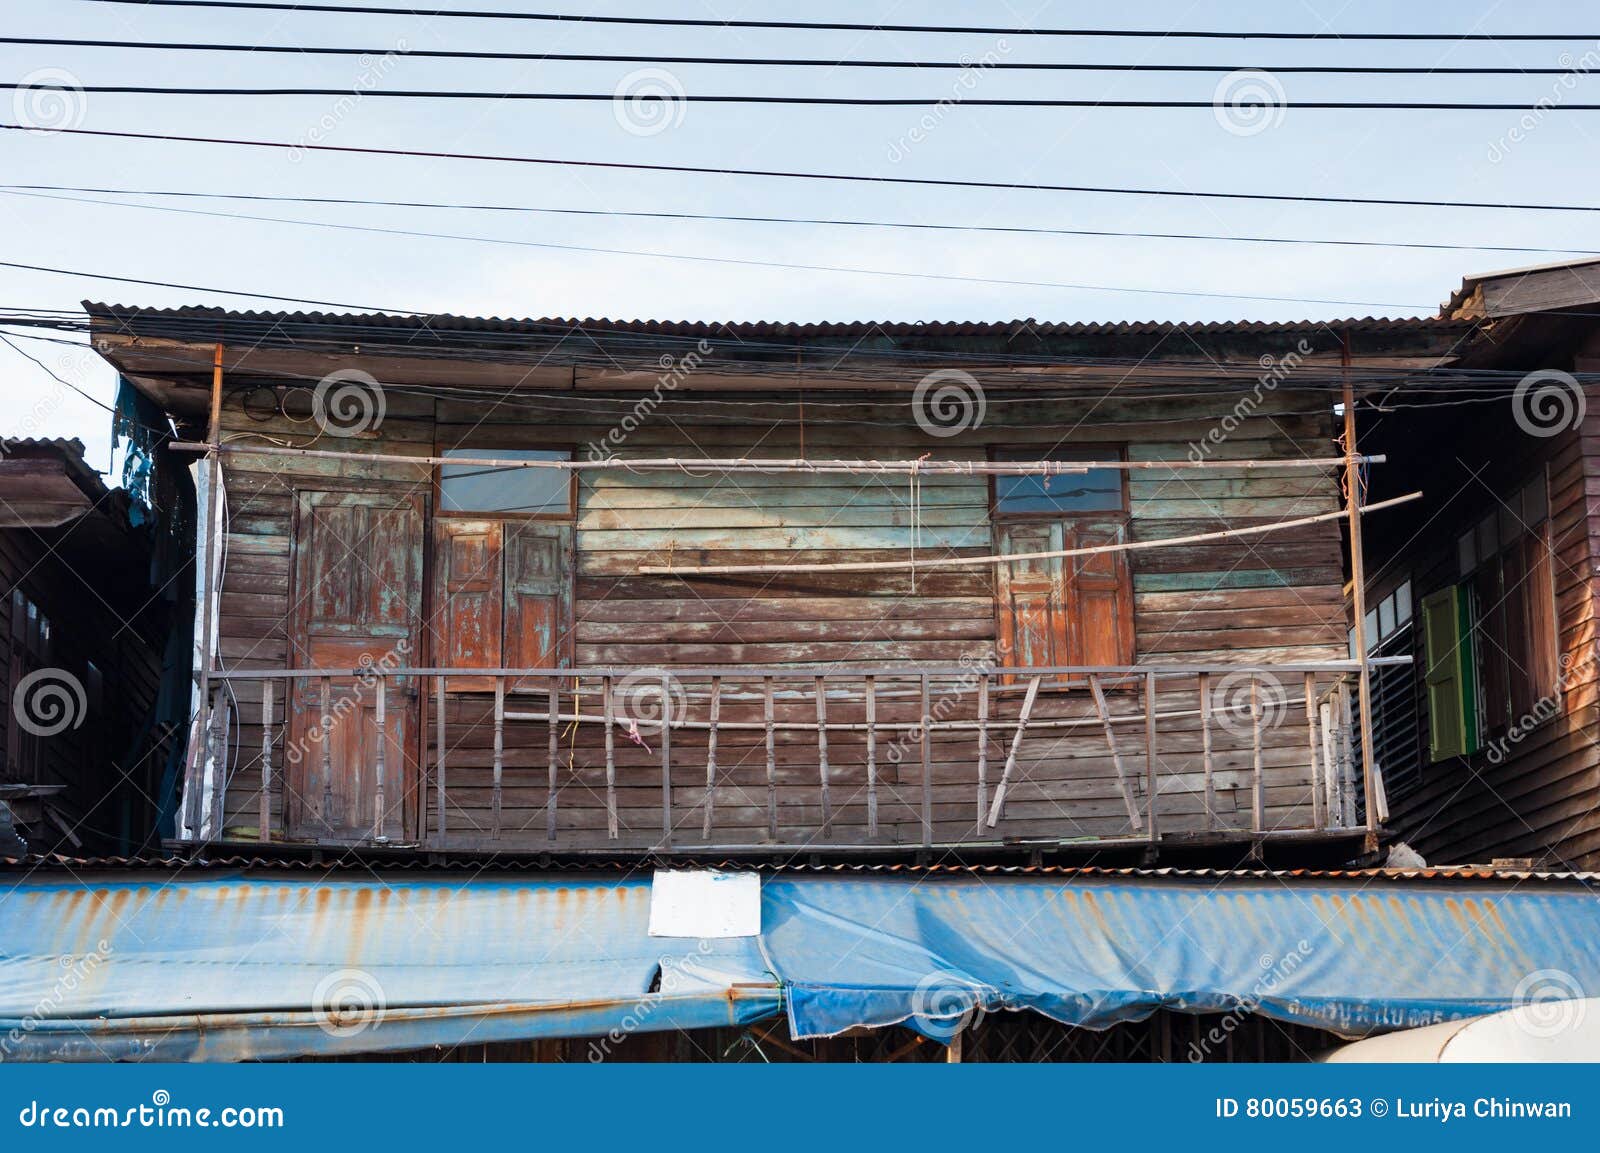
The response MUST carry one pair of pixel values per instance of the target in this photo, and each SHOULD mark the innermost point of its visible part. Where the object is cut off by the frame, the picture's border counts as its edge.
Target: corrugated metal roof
(1447, 873)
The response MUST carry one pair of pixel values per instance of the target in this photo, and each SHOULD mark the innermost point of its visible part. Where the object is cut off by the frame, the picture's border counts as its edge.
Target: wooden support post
(821, 686)
(983, 747)
(1205, 752)
(1358, 592)
(438, 753)
(381, 723)
(927, 767)
(666, 760)
(1258, 789)
(999, 805)
(264, 833)
(499, 753)
(872, 756)
(553, 777)
(209, 596)
(1151, 756)
(1311, 748)
(327, 753)
(1123, 782)
(711, 756)
(772, 763)
(609, 709)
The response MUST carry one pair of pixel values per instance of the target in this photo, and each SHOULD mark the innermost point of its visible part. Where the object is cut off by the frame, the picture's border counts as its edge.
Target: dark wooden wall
(1269, 598)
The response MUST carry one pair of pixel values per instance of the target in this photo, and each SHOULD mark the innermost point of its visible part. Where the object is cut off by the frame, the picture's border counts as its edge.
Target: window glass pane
(1488, 543)
(1371, 621)
(1386, 616)
(1402, 604)
(482, 488)
(1535, 503)
(1466, 553)
(1510, 521)
(1097, 490)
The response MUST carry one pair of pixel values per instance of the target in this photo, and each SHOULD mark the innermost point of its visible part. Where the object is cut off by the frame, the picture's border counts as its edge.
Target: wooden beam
(1123, 783)
(996, 809)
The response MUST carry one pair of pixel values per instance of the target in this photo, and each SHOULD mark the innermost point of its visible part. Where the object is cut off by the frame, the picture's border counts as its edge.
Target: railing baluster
(711, 756)
(822, 755)
(927, 768)
(327, 752)
(1311, 748)
(1205, 752)
(552, 783)
(438, 704)
(265, 832)
(666, 761)
(1150, 754)
(381, 723)
(872, 756)
(983, 747)
(772, 762)
(1258, 816)
(499, 753)
(999, 805)
(608, 708)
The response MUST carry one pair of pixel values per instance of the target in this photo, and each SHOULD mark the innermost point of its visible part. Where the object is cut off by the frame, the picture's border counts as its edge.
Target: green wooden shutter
(1452, 691)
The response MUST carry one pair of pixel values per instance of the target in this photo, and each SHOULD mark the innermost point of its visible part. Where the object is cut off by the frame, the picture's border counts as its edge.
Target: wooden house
(594, 587)
(83, 658)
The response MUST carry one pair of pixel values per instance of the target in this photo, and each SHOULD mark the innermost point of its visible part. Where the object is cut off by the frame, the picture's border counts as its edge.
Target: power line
(981, 30)
(61, 380)
(781, 61)
(23, 189)
(829, 101)
(202, 288)
(707, 170)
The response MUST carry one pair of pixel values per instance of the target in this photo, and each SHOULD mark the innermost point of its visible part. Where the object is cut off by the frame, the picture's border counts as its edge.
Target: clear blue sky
(1438, 155)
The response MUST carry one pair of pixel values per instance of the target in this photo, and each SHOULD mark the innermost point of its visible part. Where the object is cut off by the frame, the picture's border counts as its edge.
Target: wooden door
(1064, 610)
(357, 595)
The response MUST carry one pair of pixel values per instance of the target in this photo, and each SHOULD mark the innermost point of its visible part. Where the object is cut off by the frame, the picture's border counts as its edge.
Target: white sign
(705, 903)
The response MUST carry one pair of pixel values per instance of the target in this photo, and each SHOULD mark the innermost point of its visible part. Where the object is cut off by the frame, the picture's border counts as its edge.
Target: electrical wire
(199, 288)
(834, 26)
(25, 189)
(709, 170)
(781, 61)
(1541, 106)
(61, 380)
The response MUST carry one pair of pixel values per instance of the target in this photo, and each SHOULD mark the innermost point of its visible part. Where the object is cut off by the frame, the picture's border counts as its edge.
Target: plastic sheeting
(235, 968)
(1352, 957)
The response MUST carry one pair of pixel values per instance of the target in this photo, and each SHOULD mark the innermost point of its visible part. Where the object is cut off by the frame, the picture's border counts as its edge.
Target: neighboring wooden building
(82, 657)
(1492, 738)
(405, 603)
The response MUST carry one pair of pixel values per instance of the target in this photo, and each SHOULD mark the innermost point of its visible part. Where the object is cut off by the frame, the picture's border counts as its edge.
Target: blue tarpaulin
(243, 965)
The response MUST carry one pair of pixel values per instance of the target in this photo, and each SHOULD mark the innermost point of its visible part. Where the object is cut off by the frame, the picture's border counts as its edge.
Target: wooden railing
(686, 759)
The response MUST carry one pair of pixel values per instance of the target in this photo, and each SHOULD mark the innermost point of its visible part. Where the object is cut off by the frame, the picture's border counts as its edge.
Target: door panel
(538, 596)
(1068, 610)
(358, 595)
(469, 593)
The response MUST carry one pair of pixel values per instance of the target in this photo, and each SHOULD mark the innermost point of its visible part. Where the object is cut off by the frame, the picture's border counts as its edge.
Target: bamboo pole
(1358, 585)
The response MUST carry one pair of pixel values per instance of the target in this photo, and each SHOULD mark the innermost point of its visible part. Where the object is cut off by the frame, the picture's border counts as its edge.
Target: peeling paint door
(357, 596)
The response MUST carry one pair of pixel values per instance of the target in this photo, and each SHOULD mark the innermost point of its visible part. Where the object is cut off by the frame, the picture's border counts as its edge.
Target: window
(1492, 638)
(1063, 610)
(506, 489)
(1395, 741)
(32, 648)
(502, 564)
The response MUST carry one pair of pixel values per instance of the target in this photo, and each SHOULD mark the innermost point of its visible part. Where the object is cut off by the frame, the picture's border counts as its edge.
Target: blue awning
(1352, 956)
(237, 968)
(230, 966)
